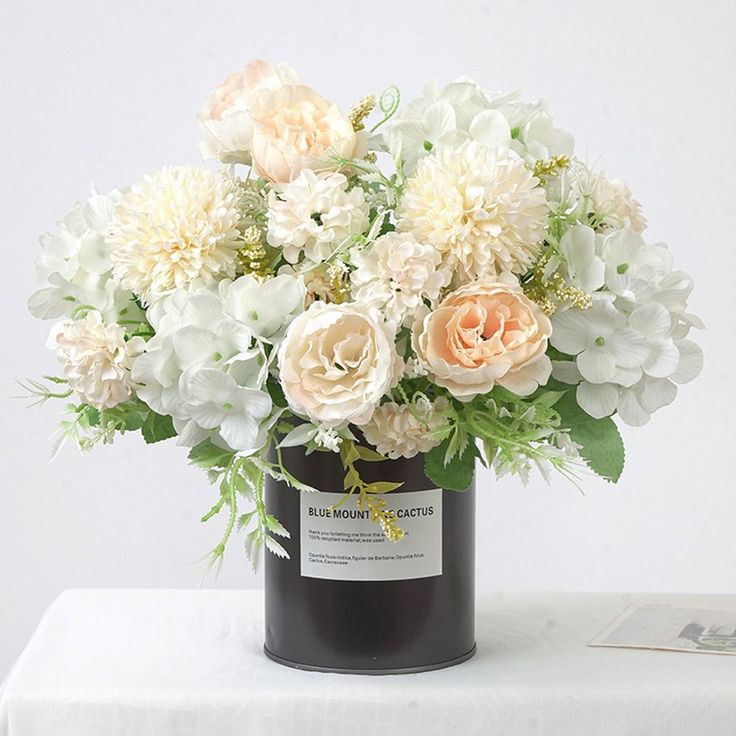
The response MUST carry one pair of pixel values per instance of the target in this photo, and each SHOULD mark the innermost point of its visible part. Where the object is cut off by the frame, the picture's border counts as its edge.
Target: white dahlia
(396, 274)
(400, 430)
(483, 211)
(314, 214)
(176, 229)
(96, 360)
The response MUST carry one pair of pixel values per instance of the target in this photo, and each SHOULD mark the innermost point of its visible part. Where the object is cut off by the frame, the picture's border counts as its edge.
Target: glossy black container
(368, 626)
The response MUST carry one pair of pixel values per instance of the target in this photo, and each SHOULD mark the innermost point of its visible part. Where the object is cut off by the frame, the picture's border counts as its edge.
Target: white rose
(95, 359)
(336, 362)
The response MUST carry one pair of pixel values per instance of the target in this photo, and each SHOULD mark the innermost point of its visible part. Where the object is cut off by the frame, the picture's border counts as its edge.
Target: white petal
(598, 400)
(570, 329)
(241, 432)
(628, 348)
(691, 362)
(630, 410)
(566, 371)
(596, 365)
(657, 393)
(491, 129)
(189, 433)
(651, 320)
(627, 376)
(439, 119)
(663, 359)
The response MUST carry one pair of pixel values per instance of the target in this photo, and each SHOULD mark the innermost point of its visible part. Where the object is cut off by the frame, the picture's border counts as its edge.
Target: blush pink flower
(225, 117)
(485, 333)
(294, 129)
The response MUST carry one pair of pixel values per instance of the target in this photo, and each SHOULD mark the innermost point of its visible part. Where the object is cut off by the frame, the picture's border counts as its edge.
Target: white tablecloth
(155, 663)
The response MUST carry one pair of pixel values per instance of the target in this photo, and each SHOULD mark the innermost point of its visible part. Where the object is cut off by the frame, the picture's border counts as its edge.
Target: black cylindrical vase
(347, 599)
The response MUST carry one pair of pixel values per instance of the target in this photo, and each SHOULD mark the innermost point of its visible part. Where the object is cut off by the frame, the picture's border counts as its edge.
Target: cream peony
(397, 430)
(294, 129)
(336, 362)
(482, 210)
(396, 274)
(176, 229)
(485, 333)
(314, 214)
(95, 358)
(225, 118)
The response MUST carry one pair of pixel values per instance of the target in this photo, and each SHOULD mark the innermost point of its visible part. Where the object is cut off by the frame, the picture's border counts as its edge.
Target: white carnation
(176, 229)
(483, 211)
(591, 193)
(400, 430)
(396, 274)
(75, 264)
(95, 359)
(314, 214)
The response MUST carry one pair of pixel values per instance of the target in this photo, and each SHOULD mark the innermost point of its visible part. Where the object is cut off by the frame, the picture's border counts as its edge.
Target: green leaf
(369, 456)
(602, 446)
(207, 455)
(276, 392)
(382, 486)
(157, 427)
(457, 475)
(91, 415)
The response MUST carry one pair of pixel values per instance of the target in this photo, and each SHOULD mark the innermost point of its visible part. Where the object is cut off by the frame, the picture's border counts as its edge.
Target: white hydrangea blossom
(631, 347)
(207, 365)
(95, 359)
(533, 132)
(481, 209)
(314, 214)
(396, 274)
(446, 116)
(401, 430)
(75, 265)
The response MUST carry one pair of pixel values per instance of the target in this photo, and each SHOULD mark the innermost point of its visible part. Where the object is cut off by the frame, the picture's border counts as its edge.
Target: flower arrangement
(482, 296)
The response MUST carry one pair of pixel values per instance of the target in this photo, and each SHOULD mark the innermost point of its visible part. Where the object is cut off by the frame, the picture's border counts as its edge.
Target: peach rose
(294, 129)
(484, 333)
(225, 118)
(336, 362)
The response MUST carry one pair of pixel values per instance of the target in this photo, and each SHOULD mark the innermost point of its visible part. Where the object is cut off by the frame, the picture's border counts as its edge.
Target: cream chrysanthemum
(481, 209)
(314, 214)
(96, 360)
(176, 229)
(397, 430)
(396, 274)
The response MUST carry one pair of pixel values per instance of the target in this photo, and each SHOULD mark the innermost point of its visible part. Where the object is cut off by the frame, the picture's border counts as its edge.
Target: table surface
(189, 662)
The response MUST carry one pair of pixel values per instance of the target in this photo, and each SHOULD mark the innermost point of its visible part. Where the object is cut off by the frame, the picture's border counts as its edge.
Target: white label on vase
(342, 543)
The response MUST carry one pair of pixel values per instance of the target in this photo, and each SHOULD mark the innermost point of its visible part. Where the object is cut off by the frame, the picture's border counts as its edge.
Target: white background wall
(101, 91)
